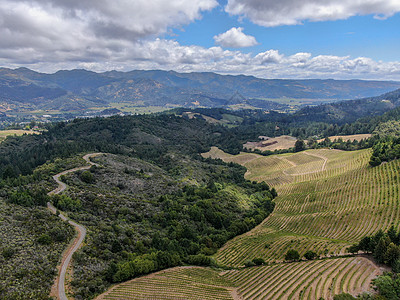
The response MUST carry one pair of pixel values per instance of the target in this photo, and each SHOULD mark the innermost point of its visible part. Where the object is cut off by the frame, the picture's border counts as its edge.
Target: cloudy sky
(338, 39)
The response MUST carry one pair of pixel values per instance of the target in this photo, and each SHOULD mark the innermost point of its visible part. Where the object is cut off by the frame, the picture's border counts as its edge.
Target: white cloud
(290, 12)
(91, 28)
(170, 55)
(235, 38)
(99, 35)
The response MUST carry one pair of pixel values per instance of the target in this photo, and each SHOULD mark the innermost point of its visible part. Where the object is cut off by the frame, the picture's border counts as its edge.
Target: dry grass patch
(357, 137)
(6, 133)
(276, 143)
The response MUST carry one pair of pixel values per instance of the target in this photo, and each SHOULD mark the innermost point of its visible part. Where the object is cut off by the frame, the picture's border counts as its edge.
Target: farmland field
(297, 280)
(5, 133)
(176, 283)
(328, 199)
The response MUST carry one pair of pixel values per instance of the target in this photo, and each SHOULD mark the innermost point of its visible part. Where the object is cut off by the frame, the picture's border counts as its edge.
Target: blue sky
(355, 36)
(340, 39)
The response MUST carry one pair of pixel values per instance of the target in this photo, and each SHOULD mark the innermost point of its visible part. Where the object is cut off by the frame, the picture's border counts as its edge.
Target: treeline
(384, 246)
(148, 137)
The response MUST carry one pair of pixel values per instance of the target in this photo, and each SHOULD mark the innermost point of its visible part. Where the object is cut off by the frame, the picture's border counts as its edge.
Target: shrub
(44, 239)
(8, 252)
(258, 261)
(87, 176)
(309, 255)
(292, 255)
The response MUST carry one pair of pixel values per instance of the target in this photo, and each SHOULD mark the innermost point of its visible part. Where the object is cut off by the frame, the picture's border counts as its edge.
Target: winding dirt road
(59, 285)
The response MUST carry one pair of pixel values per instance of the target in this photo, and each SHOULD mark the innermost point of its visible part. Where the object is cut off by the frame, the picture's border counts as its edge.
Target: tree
(353, 249)
(299, 146)
(310, 255)
(375, 161)
(392, 254)
(388, 286)
(392, 234)
(381, 248)
(292, 255)
(258, 261)
(366, 244)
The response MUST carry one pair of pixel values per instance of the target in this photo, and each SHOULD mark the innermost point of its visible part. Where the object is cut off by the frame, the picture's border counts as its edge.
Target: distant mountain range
(80, 89)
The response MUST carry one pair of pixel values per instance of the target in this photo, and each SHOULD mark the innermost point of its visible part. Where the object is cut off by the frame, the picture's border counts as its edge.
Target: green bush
(309, 255)
(292, 255)
(44, 239)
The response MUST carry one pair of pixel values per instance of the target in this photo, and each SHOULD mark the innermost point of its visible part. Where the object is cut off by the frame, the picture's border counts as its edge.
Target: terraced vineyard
(298, 280)
(305, 280)
(327, 200)
(176, 283)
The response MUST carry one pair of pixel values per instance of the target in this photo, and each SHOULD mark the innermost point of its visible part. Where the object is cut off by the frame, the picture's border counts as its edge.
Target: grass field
(5, 133)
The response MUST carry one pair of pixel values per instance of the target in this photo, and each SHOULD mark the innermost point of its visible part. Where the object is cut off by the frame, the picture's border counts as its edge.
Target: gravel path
(60, 282)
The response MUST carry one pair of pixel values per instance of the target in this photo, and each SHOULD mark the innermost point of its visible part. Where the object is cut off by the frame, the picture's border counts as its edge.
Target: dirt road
(59, 286)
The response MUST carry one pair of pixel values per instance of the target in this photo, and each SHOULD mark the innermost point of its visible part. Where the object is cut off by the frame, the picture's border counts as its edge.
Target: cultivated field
(297, 280)
(177, 283)
(305, 280)
(5, 133)
(328, 199)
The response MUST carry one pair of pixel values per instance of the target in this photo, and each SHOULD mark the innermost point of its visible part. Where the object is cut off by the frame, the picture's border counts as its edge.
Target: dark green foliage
(381, 249)
(310, 255)
(200, 260)
(8, 252)
(343, 296)
(44, 239)
(353, 248)
(292, 255)
(386, 149)
(299, 146)
(65, 202)
(258, 261)
(87, 176)
(28, 198)
(384, 247)
(388, 286)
